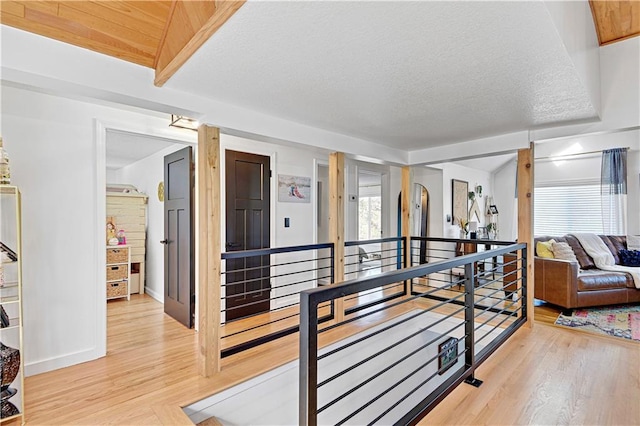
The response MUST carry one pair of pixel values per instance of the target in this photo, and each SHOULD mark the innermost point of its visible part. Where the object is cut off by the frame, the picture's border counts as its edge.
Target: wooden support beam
(406, 214)
(190, 24)
(209, 280)
(525, 219)
(336, 222)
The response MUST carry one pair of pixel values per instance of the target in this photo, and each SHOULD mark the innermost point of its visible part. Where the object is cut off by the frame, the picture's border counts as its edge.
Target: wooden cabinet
(129, 212)
(118, 271)
(11, 341)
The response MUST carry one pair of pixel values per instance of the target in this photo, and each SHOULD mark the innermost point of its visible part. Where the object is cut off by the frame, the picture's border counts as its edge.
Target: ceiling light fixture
(183, 122)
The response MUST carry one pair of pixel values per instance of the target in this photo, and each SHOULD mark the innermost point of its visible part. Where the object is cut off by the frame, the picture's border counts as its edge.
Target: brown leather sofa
(576, 285)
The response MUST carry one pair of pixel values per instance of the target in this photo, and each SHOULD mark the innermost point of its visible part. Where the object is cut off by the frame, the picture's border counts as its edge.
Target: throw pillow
(629, 257)
(543, 249)
(563, 251)
(633, 242)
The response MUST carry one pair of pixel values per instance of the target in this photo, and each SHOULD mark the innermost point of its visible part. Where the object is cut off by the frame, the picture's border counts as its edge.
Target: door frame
(100, 196)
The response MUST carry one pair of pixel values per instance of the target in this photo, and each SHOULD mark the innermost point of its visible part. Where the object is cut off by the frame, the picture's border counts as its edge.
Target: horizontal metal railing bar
(488, 308)
(275, 276)
(393, 263)
(363, 306)
(260, 301)
(393, 253)
(396, 384)
(394, 405)
(279, 308)
(466, 240)
(502, 312)
(382, 330)
(280, 275)
(271, 288)
(384, 370)
(375, 241)
(438, 280)
(490, 295)
(266, 338)
(497, 325)
(421, 384)
(496, 280)
(404, 339)
(245, 330)
(381, 250)
(372, 291)
(272, 265)
(353, 286)
(410, 299)
(268, 251)
(455, 302)
(485, 352)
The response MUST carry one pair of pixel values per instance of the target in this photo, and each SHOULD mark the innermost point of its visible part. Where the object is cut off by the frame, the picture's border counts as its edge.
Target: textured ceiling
(125, 148)
(406, 74)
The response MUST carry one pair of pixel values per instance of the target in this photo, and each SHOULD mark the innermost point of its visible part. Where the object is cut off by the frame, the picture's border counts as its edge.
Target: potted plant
(492, 230)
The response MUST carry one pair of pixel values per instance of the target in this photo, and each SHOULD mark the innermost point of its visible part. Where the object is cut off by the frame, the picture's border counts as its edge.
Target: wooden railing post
(525, 219)
(209, 279)
(336, 222)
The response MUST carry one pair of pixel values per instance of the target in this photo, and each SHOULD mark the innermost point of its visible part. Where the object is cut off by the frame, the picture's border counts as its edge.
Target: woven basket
(117, 272)
(118, 255)
(117, 289)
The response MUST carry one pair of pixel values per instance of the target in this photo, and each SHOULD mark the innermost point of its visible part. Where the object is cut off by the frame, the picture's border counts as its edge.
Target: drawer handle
(115, 284)
(115, 251)
(115, 268)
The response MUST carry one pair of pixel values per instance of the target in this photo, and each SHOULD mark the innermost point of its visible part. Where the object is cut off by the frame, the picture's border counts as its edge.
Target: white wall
(286, 161)
(51, 144)
(145, 176)
(472, 176)
(504, 196)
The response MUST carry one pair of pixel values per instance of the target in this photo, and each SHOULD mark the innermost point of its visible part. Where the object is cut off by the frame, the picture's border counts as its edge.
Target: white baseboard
(155, 295)
(62, 361)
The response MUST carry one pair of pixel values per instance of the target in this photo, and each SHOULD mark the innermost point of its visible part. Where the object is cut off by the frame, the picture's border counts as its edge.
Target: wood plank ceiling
(157, 34)
(164, 34)
(616, 20)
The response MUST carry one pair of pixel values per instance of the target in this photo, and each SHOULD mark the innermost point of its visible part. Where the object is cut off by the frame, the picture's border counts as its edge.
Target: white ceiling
(411, 75)
(488, 164)
(125, 148)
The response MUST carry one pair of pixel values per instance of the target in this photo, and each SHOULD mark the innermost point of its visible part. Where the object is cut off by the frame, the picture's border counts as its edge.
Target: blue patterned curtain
(614, 191)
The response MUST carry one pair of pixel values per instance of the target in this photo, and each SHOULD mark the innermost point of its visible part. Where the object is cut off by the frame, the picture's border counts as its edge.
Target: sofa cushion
(563, 251)
(633, 242)
(615, 243)
(629, 257)
(596, 279)
(543, 249)
(585, 261)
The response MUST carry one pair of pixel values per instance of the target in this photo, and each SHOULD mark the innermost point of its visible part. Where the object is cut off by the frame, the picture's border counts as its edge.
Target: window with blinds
(568, 208)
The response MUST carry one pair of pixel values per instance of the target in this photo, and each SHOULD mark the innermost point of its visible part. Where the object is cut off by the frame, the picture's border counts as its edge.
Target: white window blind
(567, 208)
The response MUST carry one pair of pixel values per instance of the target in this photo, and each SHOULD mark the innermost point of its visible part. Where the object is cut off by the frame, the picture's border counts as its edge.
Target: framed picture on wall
(459, 200)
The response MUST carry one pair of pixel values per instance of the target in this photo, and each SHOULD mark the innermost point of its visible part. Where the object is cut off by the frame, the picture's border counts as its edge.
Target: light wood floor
(544, 375)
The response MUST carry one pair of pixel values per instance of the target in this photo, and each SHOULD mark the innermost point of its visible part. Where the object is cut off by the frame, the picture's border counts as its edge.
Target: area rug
(616, 321)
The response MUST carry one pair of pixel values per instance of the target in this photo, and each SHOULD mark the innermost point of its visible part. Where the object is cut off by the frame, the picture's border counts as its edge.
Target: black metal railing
(372, 257)
(489, 272)
(393, 364)
(261, 292)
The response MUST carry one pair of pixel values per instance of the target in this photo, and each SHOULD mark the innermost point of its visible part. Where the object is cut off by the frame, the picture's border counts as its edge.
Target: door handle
(233, 245)
(165, 241)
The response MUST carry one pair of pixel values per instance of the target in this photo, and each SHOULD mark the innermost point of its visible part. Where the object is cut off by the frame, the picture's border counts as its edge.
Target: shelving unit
(129, 211)
(118, 271)
(11, 339)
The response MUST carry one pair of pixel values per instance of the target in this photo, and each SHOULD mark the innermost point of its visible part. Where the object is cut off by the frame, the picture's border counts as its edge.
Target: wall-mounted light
(183, 122)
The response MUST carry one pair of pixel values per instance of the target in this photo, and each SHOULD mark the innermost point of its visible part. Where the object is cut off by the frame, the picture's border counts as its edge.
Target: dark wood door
(179, 265)
(247, 227)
